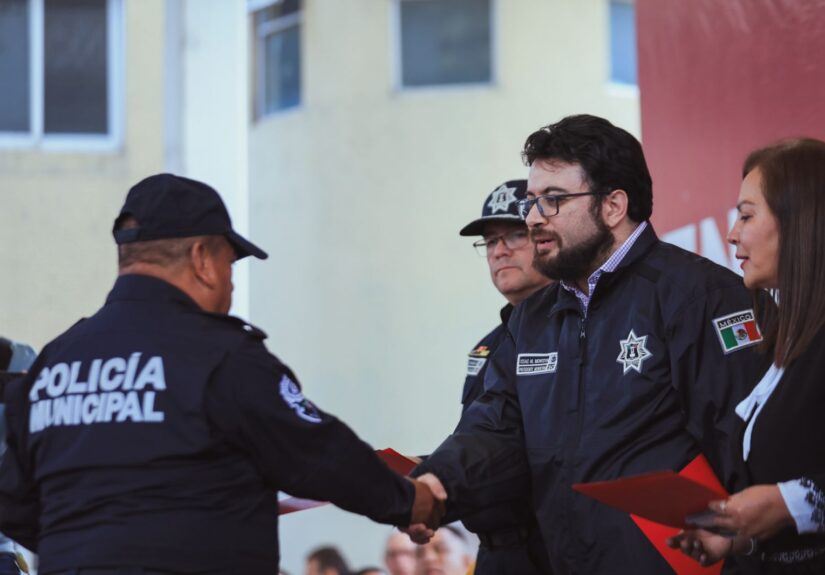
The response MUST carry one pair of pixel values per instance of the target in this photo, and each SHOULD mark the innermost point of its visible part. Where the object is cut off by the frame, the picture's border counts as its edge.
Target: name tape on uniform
(536, 363)
(116, 389)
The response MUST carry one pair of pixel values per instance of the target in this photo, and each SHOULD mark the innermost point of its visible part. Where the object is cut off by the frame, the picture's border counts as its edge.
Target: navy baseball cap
(168, 206)
(500, 206)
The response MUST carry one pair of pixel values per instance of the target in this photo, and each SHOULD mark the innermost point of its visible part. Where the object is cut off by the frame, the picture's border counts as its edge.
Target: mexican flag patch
(737, 330)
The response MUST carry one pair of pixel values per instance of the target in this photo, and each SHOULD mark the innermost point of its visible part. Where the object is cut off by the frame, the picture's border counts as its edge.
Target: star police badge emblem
(633, 353)
(501, 198)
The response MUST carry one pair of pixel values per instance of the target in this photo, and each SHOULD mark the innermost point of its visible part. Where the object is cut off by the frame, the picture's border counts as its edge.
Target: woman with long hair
(779, 237)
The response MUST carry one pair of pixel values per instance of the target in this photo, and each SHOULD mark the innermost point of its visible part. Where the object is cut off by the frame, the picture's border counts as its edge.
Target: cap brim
(243, 247)
(476, 227)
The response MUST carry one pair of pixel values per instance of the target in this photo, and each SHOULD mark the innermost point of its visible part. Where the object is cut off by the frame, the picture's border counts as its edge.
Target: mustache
(538, 235)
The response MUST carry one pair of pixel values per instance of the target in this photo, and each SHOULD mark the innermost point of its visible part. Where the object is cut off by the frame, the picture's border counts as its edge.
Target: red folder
(663, 497)
(394, 460)
(658, 503)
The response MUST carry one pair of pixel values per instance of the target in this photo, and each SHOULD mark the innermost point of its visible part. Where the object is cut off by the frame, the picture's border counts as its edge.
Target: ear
(203, 264)
(614, 208)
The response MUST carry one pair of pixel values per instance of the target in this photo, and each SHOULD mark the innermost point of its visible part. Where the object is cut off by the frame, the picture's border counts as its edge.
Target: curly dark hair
(612, 159)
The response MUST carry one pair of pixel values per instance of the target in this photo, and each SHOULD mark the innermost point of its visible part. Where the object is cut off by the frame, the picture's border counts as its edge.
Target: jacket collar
(505, 313)
(137, 287)
(648, 238)
(644, 242)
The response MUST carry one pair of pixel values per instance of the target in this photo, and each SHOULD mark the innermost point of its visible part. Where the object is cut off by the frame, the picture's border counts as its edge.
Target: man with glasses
(508, 534)
(620, 369)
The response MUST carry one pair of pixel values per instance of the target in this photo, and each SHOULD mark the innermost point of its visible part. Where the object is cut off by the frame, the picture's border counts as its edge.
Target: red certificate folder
(659, 502)
(663, 497)
(394, 460)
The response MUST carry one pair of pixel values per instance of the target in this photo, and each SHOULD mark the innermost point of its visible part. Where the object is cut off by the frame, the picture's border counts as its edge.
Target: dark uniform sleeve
(19, 498)
(484, 462)
(257, 403)
(711, 382)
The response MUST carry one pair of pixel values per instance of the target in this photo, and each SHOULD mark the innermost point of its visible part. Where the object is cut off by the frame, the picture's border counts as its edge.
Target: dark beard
(576, 262)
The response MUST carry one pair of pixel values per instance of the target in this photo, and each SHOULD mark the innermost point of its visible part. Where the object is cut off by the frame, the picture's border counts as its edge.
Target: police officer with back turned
(153, 437)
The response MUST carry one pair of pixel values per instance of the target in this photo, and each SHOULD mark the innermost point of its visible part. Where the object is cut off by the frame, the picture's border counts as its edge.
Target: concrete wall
(213, 102)
(371, 295)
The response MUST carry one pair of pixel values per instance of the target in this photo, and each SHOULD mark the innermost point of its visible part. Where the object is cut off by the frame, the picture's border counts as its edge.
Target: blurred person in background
(399, 554)
(15, 358)
(447, 553)
(370, 571)
(779, 237)
(326, 560)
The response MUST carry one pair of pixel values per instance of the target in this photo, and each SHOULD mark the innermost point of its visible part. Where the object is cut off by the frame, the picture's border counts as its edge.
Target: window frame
(261, 32)
(35, 137)
(397, 73)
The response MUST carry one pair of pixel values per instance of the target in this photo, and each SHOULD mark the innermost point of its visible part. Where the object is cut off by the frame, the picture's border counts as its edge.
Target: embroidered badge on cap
(295, 399)
(536, 363)
(737, 330)
(501, 198)
(633, 352)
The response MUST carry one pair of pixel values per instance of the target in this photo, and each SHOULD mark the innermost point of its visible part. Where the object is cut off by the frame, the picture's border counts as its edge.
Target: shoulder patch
(737, 330)
(480, 351)
(291, 394)
(476, 360)
(474, 364)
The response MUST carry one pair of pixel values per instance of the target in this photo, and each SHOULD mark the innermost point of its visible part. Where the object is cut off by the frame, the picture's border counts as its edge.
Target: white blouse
(800, 495)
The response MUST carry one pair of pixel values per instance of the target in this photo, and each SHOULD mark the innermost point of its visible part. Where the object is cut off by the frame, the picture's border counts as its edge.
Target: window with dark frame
(445, 42)
(70, 64)
(278, 34)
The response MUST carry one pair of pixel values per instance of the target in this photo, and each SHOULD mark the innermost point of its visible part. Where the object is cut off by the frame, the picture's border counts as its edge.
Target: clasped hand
(428, 509)
(754, 514)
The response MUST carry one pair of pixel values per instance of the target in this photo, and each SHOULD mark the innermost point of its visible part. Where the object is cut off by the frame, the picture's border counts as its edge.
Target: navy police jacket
(516, 514)
(156, 435)
(647, 381)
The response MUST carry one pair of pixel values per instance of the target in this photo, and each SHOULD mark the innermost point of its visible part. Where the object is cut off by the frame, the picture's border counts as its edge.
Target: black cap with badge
(500, 206)
(166, 206)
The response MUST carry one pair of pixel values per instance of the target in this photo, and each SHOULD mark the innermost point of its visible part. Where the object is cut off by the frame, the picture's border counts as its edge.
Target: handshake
(428, 508)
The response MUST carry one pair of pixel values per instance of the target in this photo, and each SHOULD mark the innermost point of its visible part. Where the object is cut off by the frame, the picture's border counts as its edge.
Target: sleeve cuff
(795, 495)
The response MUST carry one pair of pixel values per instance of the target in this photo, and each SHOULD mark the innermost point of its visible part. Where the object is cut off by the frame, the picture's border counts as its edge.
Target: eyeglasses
(512, 241)
(549, 205)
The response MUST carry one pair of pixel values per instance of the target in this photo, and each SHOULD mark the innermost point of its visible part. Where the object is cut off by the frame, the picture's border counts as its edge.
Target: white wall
(215, 111)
